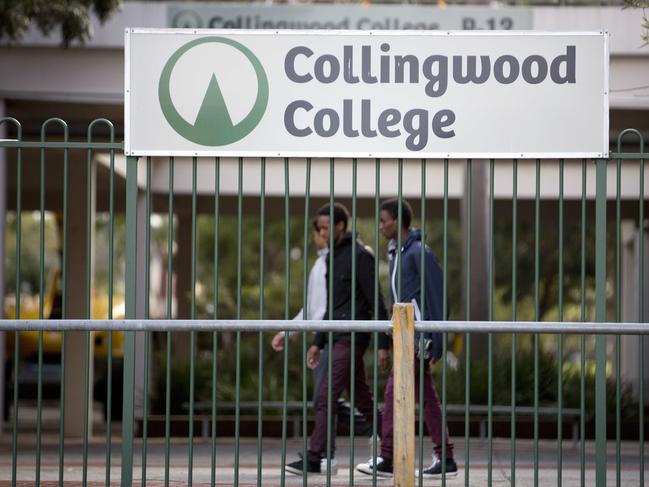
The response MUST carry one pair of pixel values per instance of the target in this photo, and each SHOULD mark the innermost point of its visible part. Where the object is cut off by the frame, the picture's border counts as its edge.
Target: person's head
(319, 242)
(341, 217)
(389, 224)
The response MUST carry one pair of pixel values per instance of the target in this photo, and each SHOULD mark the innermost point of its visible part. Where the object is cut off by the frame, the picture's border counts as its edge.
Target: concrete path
(477, 468)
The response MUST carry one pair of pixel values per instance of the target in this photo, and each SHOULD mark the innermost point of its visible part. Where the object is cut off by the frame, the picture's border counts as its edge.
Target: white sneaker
(383, 468)
(323, 466)
(435, 469)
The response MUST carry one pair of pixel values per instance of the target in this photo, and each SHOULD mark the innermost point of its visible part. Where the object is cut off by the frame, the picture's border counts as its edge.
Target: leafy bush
(548, 381)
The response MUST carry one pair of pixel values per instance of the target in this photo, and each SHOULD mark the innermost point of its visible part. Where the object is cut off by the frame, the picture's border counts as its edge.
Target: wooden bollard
(403, 344)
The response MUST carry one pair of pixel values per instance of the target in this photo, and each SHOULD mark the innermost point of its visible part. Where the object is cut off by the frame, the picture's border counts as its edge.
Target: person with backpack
(407, 261)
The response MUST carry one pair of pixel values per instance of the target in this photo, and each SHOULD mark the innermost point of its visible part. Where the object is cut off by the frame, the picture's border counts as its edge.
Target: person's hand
(278, 342)
(384, 360)
(312, 357)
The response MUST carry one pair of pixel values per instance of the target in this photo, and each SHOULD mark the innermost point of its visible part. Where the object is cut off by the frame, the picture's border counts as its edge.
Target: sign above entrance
(366, 94)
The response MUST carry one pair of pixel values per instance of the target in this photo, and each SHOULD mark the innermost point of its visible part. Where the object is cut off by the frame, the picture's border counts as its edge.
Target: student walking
(341, 299)
(316, 309)
(408, 261)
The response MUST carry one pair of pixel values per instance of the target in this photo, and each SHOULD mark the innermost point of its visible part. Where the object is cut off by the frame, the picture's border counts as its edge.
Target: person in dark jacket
(341, 306)
(407, 262)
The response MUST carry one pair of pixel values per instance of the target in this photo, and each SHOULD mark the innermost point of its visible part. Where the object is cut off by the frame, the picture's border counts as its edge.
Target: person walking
(341, 299)
(407, 261)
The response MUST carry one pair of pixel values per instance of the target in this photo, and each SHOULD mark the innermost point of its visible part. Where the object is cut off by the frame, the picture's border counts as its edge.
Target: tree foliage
(643, 4)
(71, 17)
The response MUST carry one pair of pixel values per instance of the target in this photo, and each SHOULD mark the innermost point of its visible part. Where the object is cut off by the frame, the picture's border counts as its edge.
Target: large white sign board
(366, 94)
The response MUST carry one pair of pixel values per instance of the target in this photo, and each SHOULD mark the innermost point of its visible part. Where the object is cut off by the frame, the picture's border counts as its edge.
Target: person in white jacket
(316, 303)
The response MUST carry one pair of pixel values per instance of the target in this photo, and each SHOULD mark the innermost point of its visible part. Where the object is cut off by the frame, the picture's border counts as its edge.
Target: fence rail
(368, 326)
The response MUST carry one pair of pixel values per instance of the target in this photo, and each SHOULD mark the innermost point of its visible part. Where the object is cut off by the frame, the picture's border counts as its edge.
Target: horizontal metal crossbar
(22, 144)
(549, 327)
(628, 155)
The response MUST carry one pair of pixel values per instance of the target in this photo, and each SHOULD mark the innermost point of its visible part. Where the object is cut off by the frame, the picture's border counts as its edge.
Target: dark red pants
(432, 415)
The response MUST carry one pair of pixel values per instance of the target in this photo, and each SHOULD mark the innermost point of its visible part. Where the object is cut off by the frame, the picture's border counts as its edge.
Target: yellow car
(28, 346)
(29, 310)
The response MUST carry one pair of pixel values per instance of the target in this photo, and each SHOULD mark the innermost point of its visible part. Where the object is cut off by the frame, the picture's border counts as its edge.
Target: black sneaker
(323, 465)
(383, 467)
(298, 468)
(435, 469)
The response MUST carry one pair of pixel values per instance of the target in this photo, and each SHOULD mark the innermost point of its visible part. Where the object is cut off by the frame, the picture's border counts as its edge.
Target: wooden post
(403, 337)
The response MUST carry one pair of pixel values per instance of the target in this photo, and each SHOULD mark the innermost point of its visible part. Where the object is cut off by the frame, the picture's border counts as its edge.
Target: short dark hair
(340, 213)
(392, 207)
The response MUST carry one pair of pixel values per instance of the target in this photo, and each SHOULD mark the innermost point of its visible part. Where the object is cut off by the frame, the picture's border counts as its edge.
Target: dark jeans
(340, 380)
(361, 426)
(319, 373)
(432, 415)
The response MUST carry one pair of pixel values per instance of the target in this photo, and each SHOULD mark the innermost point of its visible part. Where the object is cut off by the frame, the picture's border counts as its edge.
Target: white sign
(366, 94)
(216, 15)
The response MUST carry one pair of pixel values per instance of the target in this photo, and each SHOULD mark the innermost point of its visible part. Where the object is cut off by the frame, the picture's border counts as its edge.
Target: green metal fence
(607, 253)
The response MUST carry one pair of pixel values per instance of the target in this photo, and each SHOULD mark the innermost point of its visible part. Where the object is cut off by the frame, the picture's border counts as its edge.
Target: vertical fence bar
(490, 372)
(422, 301)
(560, 344)
(600, 312)
(14, 413)
(147, 335)
(618, 314)
(399, 225)
(514, 317)
(192, 335)
(260, 368)
(109, 356)
(129, 337)
(217, 190)
(375, 374)
(582, 342)
(444, 316)
(641, 318)
(64, 314)
(86, 359)
(467, 351)
(287, 278)
(618, 360)
(305, 314)
(170, 260)
(352, 365)
(537, 317)
(41, 295)
(330, 341)
(237, 424)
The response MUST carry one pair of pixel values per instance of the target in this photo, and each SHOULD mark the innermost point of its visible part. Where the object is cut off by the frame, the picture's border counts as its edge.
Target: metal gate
(608, 310)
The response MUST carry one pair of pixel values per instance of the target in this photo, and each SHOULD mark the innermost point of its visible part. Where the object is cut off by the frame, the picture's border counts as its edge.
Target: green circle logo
(213, 125)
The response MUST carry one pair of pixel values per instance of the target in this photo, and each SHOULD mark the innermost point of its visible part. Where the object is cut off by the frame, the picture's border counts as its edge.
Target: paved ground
(271, 460)
(477, 469)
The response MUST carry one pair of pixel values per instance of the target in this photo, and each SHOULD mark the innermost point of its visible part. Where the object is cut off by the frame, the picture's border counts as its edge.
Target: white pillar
(479, 250)
(630, 305)
(76, 295)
